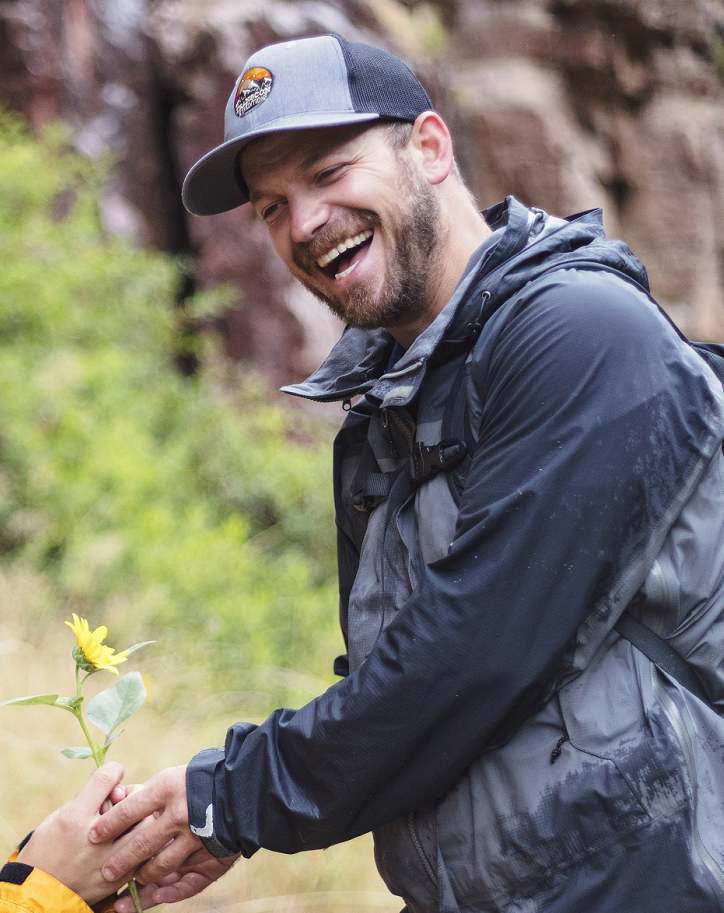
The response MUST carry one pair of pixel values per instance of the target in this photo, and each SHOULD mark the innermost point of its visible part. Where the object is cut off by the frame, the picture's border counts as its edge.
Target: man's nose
(309, 215)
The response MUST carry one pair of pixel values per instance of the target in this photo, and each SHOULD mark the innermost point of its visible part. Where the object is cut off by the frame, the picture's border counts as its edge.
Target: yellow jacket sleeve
(24, 889)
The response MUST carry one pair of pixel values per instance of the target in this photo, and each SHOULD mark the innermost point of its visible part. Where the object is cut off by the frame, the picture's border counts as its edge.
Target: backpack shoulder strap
(661, 653)
(456, 427)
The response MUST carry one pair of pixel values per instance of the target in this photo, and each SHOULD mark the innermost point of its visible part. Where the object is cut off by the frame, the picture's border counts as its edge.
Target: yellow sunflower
(91, 653)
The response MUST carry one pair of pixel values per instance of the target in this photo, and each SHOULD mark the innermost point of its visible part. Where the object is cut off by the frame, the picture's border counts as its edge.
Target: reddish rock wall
(567, 104)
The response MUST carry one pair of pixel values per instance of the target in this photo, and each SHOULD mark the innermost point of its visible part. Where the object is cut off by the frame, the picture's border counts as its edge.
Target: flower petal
(91, 644)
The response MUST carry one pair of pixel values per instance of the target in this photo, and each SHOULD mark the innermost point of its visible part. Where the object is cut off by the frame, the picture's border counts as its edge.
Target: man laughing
(527, 487)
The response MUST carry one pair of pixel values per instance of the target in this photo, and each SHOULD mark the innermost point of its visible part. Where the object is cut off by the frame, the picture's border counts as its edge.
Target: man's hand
(60, 846)
(189, 881)
(161, 847)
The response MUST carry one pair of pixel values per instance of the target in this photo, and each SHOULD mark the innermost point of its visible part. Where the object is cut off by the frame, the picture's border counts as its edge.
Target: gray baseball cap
(297, 85)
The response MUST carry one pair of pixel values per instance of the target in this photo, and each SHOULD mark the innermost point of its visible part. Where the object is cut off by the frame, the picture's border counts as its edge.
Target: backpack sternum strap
(424, 461)
(427, 460)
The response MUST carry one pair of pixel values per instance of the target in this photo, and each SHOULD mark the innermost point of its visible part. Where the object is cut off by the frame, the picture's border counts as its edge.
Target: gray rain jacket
(511, 752)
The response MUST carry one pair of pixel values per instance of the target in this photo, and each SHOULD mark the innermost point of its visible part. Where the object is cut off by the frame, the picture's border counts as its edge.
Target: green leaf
(37, 699)
(80, 753)
(138, 646)
(104, 748)
(116, 704)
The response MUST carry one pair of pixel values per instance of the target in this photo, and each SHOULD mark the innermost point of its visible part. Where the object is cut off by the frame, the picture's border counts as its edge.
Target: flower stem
(98, 758)
(134, 894)
(78, 713)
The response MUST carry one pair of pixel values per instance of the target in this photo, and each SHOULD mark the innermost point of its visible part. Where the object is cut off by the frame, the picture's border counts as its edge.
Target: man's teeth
(345, 272)
(342, 247)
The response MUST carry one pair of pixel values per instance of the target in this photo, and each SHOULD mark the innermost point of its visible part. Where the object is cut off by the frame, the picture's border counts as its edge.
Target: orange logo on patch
(254, 87)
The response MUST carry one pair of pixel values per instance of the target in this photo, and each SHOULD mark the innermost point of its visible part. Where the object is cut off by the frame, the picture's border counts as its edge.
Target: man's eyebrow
(307, 162)
(315, 157)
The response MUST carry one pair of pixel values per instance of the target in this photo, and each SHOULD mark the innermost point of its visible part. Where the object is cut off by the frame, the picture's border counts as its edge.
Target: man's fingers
(179, 885)
(188, 886)
(170, 858)
(118, 794)
(163, 792)
(122, 816)
(137, 847)
(100, 785)
(172, 890)
(199, 858)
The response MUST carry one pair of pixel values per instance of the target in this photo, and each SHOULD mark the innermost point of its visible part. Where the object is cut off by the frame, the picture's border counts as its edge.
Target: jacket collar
(360, 361)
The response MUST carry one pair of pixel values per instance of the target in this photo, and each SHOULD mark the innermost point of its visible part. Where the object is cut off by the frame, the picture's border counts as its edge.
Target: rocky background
(567, 104)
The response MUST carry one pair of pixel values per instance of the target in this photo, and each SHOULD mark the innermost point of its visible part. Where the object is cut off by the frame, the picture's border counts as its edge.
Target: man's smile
(354, 217)
(340, 260)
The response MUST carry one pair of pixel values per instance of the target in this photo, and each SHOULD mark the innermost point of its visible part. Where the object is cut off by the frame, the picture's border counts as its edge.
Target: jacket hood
(525, 244)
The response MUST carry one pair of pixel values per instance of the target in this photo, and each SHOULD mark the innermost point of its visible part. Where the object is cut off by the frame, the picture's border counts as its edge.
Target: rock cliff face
(567, 104)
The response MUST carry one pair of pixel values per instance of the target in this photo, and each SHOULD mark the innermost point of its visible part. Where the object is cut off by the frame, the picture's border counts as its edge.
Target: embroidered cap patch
(254, 88)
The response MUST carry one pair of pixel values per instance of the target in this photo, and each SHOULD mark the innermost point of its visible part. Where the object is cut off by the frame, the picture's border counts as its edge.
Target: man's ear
(431, 146)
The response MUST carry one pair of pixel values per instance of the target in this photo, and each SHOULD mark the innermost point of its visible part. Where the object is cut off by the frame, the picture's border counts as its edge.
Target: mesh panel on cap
(380, 82)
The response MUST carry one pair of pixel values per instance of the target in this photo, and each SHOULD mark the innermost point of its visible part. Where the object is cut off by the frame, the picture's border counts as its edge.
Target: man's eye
(269, 211)
(329, 172)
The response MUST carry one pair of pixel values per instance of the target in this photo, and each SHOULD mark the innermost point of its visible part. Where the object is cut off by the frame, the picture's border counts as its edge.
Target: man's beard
(412, 263)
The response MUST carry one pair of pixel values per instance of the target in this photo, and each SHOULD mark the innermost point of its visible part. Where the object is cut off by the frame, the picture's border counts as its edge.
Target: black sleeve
(586, 391)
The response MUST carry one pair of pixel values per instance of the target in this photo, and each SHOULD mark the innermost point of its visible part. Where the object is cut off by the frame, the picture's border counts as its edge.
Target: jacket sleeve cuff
(27, 889)
(200, 799)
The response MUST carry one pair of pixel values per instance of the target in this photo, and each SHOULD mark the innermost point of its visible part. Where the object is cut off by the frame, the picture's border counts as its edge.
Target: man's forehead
(304, 147)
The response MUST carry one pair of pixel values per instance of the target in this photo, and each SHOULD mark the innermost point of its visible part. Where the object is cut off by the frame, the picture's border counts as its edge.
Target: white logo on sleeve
(208, 829)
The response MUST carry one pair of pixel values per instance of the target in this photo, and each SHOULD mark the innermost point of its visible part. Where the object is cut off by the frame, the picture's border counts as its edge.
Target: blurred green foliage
(160, 505)
(718, 56)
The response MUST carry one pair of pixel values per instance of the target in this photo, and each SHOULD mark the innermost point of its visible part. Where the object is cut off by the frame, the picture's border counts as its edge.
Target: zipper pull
(558, 750)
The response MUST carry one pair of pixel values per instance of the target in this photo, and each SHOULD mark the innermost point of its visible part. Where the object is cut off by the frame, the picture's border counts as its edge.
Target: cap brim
(211, 186)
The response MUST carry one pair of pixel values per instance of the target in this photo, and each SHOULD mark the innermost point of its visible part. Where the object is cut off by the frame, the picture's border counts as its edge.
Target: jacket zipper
(418, 847)
(674, 717)
(408, 369)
